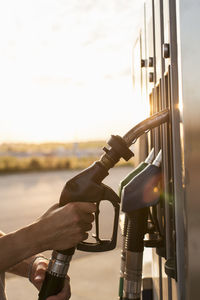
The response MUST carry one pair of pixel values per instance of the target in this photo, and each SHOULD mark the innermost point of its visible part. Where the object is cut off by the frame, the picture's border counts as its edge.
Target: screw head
(150, 61)
(166, 50)
(143, 63)
(151, 77)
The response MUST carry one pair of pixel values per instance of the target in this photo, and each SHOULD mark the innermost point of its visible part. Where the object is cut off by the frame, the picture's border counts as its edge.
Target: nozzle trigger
(104, 245)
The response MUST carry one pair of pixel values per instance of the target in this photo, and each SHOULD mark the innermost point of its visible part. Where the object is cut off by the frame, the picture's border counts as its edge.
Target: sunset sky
(65, 69)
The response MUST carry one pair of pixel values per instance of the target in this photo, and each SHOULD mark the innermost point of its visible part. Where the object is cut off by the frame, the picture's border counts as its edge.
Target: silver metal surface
(189, 107)
(131, 289)
(172, 40)
(150, 157)
(143, 63)
(151, 77)
(150, 61)
(166, 50)
(59, 264)
(133, 275)
(157, 161)
(122, 266)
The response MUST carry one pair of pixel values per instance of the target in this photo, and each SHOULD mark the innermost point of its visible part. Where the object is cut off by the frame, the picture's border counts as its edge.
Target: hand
(37, 276)
(59, 228)
(64, 227)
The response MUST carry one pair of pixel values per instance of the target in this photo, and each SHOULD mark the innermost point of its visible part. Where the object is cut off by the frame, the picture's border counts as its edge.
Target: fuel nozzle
(88, 186)
(143, 191)
(136, 171)
(140, 193)
(119, 146)
(124, 223)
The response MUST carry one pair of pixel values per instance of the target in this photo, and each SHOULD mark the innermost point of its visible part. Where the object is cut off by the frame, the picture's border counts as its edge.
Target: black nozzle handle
(87, 186)
(104, 245)
(55, 274)
(52, 285)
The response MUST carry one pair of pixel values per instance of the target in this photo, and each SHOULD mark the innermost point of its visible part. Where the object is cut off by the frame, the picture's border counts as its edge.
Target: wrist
(17, 246)
(37, 235)
(28, 240)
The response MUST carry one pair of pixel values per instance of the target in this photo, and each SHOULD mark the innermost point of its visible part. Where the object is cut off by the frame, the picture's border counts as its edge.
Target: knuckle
(92, 218)
(89, 227)
(41, 268)
(85, 236)
(75, 214)
(76, 218)
(72, 206)
(93, 207)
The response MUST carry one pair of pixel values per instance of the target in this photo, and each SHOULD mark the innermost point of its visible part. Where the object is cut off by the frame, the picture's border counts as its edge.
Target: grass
(48, 147)
(15, 164)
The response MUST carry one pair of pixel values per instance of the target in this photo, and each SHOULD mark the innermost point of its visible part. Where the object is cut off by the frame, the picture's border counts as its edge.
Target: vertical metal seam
(179, 194)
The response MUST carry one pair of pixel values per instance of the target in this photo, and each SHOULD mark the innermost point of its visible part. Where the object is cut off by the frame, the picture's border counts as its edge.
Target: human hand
(37, 275)
(64, 227)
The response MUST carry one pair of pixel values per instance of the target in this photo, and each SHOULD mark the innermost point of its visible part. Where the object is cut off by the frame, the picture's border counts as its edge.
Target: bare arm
(34, 268)
(21, 268)
(17, 246)
(59, 228)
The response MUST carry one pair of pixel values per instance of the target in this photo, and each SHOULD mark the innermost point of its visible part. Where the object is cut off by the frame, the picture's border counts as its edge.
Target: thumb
(39, 274)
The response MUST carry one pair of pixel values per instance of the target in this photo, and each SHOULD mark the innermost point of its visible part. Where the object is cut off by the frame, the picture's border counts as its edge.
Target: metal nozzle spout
(157, 161)
(150, 157)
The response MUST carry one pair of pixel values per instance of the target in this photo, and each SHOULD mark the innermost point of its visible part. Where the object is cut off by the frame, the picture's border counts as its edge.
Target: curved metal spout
(119, 146)
(149, 123)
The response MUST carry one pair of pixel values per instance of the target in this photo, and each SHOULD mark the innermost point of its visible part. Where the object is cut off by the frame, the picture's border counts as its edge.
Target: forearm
(21, 268)
(17, 246)
(59, 228)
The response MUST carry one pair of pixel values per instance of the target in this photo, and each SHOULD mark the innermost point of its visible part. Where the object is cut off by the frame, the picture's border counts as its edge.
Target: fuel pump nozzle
(87, 186)
(124, 226)
(140, 193)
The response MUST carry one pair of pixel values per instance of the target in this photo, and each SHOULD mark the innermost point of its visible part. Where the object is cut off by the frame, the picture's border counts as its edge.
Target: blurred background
(66, 69)
(66, 86)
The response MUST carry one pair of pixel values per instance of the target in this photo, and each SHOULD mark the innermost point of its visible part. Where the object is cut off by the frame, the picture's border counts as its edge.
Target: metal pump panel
(168, 49)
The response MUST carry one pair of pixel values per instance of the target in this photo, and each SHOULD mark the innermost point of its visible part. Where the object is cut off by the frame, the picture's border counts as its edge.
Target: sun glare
(66, 70)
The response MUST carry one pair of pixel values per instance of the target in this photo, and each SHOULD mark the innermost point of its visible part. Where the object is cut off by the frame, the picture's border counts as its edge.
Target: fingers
(72, 221)
(85, 237)
(87, 207)
(39, 269)
(38, 277)
(86, 226)
(82, 212)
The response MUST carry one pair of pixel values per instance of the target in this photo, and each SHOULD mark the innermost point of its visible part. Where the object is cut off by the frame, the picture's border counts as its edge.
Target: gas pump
(166, 49)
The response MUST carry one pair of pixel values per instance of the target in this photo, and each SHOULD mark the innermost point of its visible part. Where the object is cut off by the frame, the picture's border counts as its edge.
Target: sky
(65, 69)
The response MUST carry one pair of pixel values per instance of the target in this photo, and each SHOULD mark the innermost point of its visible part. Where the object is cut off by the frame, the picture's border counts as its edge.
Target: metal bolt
(150, 61)
(143, 63)
(151, 77)
(166, 50)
